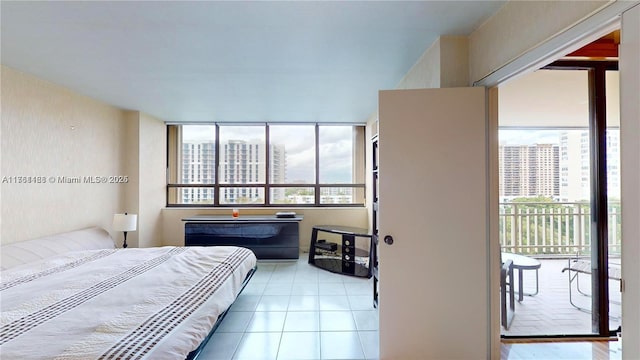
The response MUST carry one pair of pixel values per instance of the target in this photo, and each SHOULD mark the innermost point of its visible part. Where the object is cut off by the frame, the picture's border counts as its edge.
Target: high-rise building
(574, 166)
(241, 162)
(197, 168)
(529, 170)
(613, 164)
(278, 171)
(575, 173)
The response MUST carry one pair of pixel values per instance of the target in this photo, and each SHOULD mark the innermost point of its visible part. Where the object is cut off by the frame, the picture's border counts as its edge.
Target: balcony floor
(549, 312)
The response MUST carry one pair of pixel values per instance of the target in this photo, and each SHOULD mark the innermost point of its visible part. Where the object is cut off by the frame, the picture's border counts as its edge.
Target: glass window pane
(242, 195)
(197, 165)
(241, 172)
(293, 195)
(242, 155)
(341, 195)
(292, 151)
(336, 154)
(191, 195)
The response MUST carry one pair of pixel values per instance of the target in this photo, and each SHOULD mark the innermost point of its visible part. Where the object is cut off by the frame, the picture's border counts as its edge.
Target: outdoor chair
(507, 296)
(582, 265)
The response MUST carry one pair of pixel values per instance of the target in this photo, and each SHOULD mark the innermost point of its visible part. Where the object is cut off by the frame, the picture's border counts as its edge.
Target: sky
(529, 137)
(336, 151)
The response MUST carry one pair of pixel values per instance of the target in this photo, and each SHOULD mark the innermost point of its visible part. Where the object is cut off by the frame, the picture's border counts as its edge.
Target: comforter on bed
(152, 303)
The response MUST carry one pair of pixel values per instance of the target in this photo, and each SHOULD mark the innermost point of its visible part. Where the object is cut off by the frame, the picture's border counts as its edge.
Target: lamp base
(124, 245)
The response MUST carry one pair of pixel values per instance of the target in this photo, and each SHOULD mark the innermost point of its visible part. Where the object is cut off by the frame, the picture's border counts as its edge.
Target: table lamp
(125, 222)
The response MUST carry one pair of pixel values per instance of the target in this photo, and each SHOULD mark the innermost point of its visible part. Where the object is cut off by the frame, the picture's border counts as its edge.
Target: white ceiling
(231, 61)
(547, 99)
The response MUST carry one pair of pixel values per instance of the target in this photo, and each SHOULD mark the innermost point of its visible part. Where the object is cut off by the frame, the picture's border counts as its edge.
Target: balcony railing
(553, 229)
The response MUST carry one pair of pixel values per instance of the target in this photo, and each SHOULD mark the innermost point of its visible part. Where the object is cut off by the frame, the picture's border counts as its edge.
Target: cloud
(198, 133)
(529, 137)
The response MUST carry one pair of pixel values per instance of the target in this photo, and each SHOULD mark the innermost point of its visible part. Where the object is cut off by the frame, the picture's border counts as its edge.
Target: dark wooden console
(268, 237)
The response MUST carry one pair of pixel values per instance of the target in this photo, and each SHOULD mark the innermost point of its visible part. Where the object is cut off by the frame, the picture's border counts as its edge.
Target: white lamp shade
(125, 222)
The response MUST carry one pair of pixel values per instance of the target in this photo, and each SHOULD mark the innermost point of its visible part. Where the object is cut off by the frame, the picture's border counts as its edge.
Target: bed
(108, 303)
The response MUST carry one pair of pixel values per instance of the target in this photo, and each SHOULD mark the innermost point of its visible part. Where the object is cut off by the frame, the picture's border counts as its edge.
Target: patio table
(522, 263)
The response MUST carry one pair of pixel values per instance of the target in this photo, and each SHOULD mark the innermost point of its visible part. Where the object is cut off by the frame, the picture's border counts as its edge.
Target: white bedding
(152, 303)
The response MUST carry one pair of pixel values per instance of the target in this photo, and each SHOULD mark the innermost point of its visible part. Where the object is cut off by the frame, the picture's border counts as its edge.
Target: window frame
(174, 163)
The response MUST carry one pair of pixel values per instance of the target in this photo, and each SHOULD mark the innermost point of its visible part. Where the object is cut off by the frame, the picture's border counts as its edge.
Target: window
(265, 165)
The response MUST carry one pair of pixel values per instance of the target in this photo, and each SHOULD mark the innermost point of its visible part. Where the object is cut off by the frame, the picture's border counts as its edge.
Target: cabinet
(374, 220)
(267, 236)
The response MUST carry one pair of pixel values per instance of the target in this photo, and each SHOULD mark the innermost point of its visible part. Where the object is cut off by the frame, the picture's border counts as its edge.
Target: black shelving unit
(374, 219)
(354, 245)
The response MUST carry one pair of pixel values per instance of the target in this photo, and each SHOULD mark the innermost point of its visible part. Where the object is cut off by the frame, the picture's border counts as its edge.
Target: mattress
(151, 303)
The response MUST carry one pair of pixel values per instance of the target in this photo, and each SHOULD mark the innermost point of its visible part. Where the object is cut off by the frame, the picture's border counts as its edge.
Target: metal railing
(553, 229)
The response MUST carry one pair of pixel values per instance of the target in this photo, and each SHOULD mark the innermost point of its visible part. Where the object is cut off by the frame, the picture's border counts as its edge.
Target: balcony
(554, 233)
(549, 312)
(553, 229)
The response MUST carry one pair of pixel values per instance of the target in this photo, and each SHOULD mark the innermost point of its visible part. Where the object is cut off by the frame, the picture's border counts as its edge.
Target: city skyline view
(269, 164)
(336, 147)
(528, 164)
(553, 163)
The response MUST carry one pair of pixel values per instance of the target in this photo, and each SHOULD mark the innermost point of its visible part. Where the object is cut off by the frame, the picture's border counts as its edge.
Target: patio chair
(507, 305)
(582, 265)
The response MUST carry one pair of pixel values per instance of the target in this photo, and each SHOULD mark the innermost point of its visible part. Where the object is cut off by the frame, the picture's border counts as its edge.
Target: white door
(434, 203)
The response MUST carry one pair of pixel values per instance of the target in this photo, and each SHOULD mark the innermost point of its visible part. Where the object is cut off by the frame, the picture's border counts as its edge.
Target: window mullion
(267, 169)
(216, 186)
(317, 172)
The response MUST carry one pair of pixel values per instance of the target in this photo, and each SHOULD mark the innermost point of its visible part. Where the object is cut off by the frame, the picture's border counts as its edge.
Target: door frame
(595, 26)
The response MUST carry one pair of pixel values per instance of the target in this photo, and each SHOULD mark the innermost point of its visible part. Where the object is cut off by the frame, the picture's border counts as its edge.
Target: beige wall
(425, 73)
(38, 140)
(152, 175)
(129, 202)
(518, 27)
(145, 162)
(454, 61)
(444, 64)
(49, 131)
(173, 226)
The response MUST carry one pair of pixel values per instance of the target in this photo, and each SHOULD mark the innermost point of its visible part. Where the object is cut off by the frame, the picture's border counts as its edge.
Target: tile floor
(292, 310)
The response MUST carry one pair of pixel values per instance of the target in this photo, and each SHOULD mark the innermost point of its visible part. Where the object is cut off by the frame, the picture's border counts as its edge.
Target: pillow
(22, 252)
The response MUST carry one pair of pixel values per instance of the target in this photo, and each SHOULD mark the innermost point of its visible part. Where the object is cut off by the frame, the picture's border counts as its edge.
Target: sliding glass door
(557, 158)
